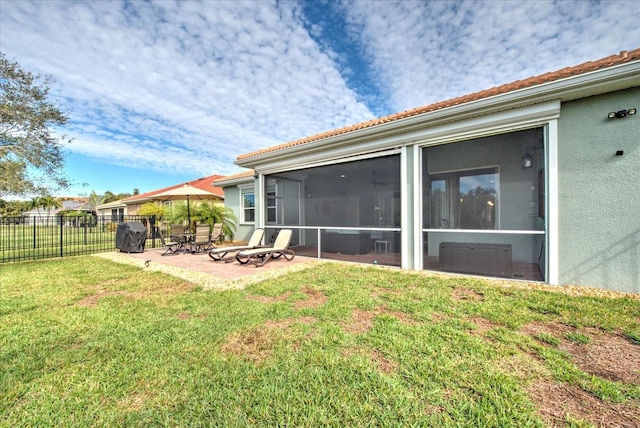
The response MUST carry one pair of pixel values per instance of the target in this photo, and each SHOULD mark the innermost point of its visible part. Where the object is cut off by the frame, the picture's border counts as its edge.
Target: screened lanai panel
(483, 205)
(347, 210)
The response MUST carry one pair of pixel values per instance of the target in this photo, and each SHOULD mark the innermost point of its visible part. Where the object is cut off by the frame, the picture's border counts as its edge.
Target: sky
(162, 92)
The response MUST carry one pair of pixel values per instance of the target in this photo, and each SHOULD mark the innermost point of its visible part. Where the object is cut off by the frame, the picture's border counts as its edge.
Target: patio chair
(259, 256)
(176, 230)
(221, 253)
(216, 233)
(172, 246)
(202, 239)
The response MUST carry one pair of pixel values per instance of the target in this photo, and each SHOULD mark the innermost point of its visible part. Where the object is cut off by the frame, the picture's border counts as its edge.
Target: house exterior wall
(232, 200)
(591, 225)
(599, 193)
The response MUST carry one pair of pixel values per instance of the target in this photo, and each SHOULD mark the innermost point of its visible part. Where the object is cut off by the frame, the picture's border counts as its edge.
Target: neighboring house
(41, 215)
(113, 211)
(537, 180)
(131, 205)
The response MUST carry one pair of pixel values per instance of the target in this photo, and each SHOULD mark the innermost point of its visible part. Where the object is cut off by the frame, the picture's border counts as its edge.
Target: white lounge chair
(221, 253)
(259, 256)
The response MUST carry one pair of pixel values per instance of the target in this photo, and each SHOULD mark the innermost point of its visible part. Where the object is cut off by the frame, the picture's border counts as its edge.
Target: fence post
(84, 225)
(61, 237)
(34, 233)
(152, 221)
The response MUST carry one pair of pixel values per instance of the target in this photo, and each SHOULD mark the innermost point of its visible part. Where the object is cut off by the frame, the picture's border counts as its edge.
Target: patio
(201, 270)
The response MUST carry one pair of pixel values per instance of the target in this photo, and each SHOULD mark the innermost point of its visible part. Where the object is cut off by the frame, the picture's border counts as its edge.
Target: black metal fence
(43, 237)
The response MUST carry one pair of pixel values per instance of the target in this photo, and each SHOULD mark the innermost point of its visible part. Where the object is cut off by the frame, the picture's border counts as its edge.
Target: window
(465, 199)
(248, 206)
(272, 203)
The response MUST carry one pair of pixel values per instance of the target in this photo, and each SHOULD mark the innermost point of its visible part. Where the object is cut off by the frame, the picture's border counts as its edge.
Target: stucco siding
(599, 192)
(232, 200)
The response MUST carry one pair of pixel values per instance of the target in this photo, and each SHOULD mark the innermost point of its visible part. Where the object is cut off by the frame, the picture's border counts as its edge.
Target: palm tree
(48, 202)
(35, 204)
(94, 200)
(208, 212)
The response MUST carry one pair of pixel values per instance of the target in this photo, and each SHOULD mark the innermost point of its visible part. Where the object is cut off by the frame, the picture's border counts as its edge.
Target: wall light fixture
(621, 113)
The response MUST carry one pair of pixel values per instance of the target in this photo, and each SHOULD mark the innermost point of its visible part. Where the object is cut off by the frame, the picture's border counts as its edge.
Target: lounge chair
(221, 253)
(202, 239)
(259, 256)
(172, 246)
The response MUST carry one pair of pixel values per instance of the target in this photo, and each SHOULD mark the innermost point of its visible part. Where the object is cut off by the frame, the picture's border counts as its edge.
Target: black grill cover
(130, 237)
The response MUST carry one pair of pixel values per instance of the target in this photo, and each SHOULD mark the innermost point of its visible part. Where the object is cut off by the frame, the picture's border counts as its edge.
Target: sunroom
(469, 196)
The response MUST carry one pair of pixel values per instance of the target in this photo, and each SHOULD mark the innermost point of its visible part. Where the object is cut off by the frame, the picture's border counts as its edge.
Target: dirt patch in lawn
(267, 299)
(314, 299)
(92, 300)
(255, 344)
(362, 321)
(465, 293)
(383, 364)
(380, 362)
(482, 325)
(288, 322)
(606, 355)
(561, 404)
(258, 343)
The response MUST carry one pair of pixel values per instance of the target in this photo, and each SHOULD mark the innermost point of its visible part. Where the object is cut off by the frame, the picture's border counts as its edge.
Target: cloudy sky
(161, 92)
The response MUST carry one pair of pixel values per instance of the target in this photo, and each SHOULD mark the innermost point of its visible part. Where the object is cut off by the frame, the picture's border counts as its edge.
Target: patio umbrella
(185, 192)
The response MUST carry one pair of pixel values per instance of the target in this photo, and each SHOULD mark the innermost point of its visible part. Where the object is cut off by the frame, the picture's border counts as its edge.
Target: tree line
(48, 203)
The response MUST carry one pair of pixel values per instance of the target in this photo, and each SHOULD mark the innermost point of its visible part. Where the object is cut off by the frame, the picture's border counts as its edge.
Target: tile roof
(239, 175)
(205, 183)
(610, 61)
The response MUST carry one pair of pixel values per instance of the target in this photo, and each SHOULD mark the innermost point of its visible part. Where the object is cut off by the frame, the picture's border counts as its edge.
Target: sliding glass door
(483, 206)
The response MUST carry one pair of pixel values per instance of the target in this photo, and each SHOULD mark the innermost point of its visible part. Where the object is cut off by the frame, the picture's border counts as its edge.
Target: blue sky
(161, 92)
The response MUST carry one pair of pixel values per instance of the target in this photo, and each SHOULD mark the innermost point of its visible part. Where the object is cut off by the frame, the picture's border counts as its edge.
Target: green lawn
(88, 342)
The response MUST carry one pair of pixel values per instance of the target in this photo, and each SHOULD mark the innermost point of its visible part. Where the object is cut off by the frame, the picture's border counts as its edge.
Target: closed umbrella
(185, 192)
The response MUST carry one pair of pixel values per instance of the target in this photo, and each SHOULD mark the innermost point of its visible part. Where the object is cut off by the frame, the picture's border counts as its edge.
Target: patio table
(183, 239)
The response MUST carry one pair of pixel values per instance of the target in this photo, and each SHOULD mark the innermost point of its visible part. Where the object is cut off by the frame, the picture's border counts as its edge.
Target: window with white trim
(248, 200)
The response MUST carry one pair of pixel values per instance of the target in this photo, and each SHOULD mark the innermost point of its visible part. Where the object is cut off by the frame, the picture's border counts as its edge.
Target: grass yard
(88, 342)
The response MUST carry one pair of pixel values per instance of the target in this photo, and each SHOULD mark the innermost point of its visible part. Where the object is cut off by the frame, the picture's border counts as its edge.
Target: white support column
(405, 226)
(417, 209)
(260, 201)
(553, 209)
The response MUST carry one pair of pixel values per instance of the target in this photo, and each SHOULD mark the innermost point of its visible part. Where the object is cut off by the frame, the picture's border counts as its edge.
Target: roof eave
(574, 87)
(235, 181)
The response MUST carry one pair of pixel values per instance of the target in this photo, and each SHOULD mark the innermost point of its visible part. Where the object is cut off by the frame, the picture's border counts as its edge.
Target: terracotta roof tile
(205, 183)
(242, 174)
(610, 61)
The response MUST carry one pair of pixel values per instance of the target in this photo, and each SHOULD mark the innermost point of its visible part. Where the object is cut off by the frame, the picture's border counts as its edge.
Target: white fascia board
(501, 122)
(234, 182)
(481, 126)
(383, 136)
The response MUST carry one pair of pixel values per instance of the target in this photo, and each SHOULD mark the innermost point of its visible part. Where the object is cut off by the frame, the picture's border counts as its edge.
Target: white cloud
(205, 81)
(425, 52)
(202, 82)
